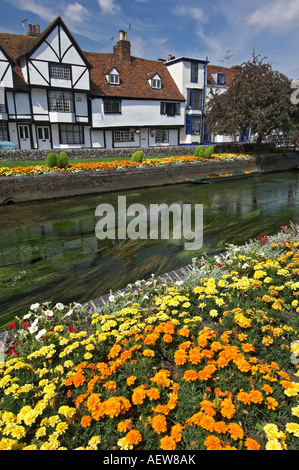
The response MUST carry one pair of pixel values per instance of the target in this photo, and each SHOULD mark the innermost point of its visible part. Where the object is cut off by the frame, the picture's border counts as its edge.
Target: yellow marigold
(184, 332)
(148, 353)
(167, 443)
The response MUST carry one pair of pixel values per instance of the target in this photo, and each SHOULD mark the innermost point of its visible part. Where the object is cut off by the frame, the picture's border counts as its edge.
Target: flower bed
(126, 164)
(208, 363)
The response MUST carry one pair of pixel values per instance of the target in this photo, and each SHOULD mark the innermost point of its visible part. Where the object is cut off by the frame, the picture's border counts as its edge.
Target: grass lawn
(13, 164)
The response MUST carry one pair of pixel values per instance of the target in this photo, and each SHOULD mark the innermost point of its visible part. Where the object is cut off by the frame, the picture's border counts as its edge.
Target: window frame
(66, 104)
(220, 79)
(4, 131)
(123, 133)
(189, 124)
(165, 136)
(190, 98)
(194, 72)
(170, 108)
(112, 106)
(71, 131)
(59, 67)
(114, 79)
(156, 83)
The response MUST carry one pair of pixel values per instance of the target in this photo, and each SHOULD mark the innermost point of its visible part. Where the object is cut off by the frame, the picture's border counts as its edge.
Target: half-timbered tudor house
(54, 95)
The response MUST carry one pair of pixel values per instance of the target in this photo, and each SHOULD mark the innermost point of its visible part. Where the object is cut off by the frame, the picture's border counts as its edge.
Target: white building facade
(54, 95)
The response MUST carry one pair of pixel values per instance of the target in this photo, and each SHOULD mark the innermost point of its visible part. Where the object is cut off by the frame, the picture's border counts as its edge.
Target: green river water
(49, 250)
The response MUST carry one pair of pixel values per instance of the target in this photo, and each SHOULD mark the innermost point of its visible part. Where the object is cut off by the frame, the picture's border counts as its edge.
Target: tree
(258, 98)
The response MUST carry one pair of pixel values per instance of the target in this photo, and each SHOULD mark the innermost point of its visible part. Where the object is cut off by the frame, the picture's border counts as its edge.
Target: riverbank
(210, 363)
(17, 189)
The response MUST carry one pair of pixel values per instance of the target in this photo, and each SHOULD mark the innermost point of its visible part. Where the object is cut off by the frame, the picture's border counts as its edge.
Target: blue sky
(225, 31)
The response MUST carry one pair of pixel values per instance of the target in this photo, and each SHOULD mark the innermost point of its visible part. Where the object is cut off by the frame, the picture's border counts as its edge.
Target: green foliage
(199, 151)
(52, 159)
(137, 156)
(209, 151)
(272, 148)
(62, 160)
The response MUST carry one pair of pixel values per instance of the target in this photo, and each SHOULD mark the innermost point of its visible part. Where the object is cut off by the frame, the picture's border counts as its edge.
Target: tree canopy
(259, 98)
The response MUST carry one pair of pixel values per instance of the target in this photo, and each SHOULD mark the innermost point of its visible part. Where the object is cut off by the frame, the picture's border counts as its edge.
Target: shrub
(209, 151)
(52, 159)
(199, 151)
(137, 156)
(272, 148)
(62, 160)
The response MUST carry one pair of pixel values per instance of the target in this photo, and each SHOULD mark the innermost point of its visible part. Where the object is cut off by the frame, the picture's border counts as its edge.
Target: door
(24, 136)
(43, 137)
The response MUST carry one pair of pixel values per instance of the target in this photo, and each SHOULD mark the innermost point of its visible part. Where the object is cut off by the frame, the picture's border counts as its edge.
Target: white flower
(26, 316)
(32, 329)
(59, 306)
(111, 298)
(48, 313)
(69, 313)
(34, 307)
(41, 333)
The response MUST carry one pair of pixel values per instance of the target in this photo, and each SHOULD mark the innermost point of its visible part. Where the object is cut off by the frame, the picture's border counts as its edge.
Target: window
(193, 125)
(71, 134)
(171, 109)
(194, 72)
(162, 136)
(220, 79)
(194, 98)
(2, 108)
(156, 83)
(61, 101)
(3, 131)
(112, 106)
(60, 71)
(113, 79)
(123, 136)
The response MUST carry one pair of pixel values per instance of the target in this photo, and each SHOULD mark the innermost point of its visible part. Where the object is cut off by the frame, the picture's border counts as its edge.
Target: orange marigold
(184, 332)
(190, 375)
(251, 444)
(131, 380)
(148, 353)
(227, 409)
(176, 432)
(158, 423)
(213, 443)
(256, 396)
(272, 404)
(195, 355)
(161, 378)
(153, 393)
(167, 338)
(138, 395)
(133, 437)
(235, 431)
(123, 426)
(86, 421)
(167, 443)
(180, 357)
(220, 427)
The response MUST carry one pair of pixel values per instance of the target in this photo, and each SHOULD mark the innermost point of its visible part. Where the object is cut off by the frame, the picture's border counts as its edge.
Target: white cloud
(275, 16)
(76, 12)
(44, 12)
(194, 12)
(108, 6)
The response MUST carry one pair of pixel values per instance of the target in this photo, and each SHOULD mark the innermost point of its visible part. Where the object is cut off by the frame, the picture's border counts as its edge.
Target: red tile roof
(134, 76)
(229, 74)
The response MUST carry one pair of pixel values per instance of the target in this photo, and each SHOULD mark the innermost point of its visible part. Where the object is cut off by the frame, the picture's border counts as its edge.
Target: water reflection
(49, 251)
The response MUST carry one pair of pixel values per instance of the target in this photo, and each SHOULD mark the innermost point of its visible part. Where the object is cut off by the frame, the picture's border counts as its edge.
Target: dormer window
(220, 79)
(113, 77)
(156, 82)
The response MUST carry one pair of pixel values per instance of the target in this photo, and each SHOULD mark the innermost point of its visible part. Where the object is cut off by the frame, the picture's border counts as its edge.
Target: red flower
(71, 328)
(12, 326)
(25, 324)
(11, 351)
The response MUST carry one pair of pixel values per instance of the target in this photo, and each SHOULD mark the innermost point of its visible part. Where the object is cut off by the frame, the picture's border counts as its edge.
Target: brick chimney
(34, 30)
(123, 47)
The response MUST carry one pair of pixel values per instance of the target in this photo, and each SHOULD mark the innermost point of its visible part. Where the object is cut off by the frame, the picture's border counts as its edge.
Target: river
(49, 250)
